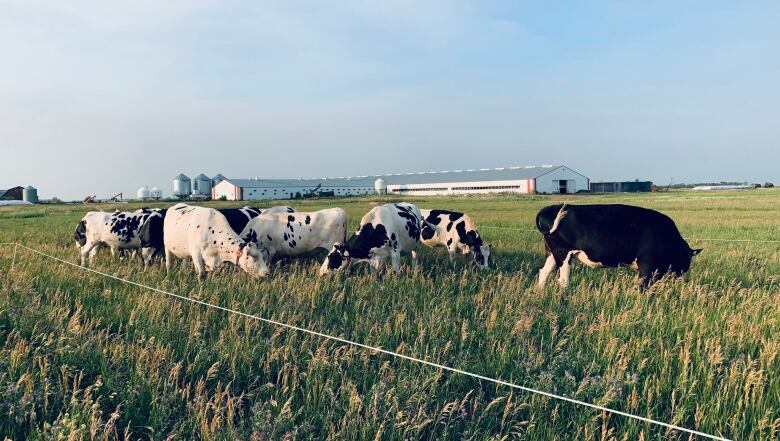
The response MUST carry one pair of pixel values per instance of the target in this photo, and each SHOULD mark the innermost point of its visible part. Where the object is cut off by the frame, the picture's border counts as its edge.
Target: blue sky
(102, 97)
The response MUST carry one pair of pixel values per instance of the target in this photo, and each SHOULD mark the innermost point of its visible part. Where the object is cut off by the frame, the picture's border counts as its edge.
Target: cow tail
(561, 214)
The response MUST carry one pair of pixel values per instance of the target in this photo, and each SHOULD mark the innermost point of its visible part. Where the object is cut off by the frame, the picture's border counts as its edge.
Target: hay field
(85, 357)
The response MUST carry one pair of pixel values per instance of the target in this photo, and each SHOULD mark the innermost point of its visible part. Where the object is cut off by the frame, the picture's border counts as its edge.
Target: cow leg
(89, 249)
(547, 269)
(452, 249)
(93, 253)
(395, 261)
(168, 259)
(563, 272)
(649, 274)
(147, 255)
(200, 266)
(377, 266)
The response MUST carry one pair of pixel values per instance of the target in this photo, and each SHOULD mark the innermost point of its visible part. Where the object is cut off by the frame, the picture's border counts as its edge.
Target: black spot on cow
(251, 236)
(435, 216)
(369, 237)
(427, 232)
(461, 229)
(238, 217)
(394, 241)
(293, 243)
(308, 219)
(449, 227)
(290, 210)
(455, 216)
(285, 237)
(470, 238)
(473, 239)
(269, 237)
(449, 241)
(290, 218)
(126, 228)
(412, 221)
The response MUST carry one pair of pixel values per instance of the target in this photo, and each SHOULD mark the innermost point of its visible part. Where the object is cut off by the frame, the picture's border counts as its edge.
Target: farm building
(12, 194)
(524, 180)
(27, 194)
(621, 187)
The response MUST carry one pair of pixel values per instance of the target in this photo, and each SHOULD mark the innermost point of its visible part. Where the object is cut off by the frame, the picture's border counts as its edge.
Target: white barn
(553, 179)
(549, 179)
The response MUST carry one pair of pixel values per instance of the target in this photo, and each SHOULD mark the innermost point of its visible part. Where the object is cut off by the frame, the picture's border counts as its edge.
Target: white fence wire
(532, 230)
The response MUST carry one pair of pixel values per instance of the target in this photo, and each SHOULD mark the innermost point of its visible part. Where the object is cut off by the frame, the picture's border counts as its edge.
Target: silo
(201, 185)
(155, 193)
(143, 193)
(217, 179)
(181, 186)
(30, 194)
(380, 186)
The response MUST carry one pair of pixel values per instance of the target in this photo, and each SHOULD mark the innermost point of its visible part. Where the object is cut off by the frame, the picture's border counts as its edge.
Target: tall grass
(85, 357)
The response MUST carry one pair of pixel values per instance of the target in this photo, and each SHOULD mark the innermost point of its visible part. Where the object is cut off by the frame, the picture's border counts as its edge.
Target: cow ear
(696, 252)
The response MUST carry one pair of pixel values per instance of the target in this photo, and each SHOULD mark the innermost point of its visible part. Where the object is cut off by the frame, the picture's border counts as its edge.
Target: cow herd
(250, 238)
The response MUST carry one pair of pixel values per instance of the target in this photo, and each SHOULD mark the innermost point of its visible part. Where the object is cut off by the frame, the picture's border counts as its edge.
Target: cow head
(252, 260)
(79, 234)
(682, 264)
(481, 255)
(338, 259)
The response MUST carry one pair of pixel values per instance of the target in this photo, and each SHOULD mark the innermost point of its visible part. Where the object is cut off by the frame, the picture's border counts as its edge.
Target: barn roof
(14, 193)
(484, 174)
(287, 183)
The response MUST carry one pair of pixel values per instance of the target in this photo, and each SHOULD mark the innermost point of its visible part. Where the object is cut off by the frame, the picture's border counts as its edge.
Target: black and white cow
(610, 236)
(457, 232)
(294, 234)
(385, 232)
(205, 236)
(119, 231)
(151, 234)
(239, 217)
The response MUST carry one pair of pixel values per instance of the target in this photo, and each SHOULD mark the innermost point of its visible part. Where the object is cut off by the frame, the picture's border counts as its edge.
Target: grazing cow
(118, 231)
(204, 235)
(385, 232)
(457, 232)
(611, 236)
(239, 217)
(152, 244)
(293, 234)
